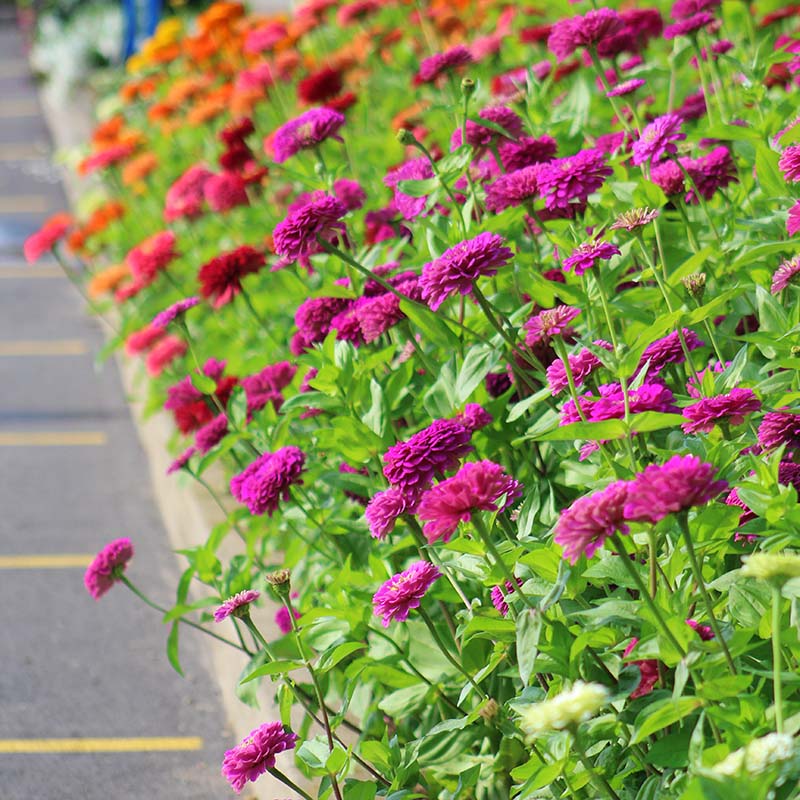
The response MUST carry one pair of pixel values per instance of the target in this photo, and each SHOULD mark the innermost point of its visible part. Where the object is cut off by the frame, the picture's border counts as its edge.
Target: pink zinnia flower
(676, 485)
(778, 428)
(440, 63)
(266, 386)
(267, 481)
(648, 672)
(173, 312)
(315, 316)
(793, 219)
(715, 170)
(238, 605)
(611, 403)
(785, 275)
(657, 139)
(477, 486)
(182, 460)
(582, 365)
(568, 35)
(404, 591)
(225, 191)
(669, 177)
(626, 88)
(589, 521)
(705, 632)
(573, 178)
(142, 340)
(350, 193)
(459, 267)
(255, 754)
(668, 350)
(412, 465)
(416, 169)
(308, 130)
(513, 188)
(185, 196)
(45, 239)
(688, 26)
(384, 509)
(283, 620)
(731, 409)
(526, 151)
(542, 327)
(164, 352)
(500, 593)
(105, 158)
(586, 255)
(211, 434)
(474, 417)
(107, 566)
(789, 163)
(152, 256)
(296, 236)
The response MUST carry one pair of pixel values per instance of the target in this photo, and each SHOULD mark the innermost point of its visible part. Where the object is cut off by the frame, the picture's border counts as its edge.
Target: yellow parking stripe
(25, 204)
(53, 439)
(131, 745)
(54, 347)
(30, 272)
(58, 561)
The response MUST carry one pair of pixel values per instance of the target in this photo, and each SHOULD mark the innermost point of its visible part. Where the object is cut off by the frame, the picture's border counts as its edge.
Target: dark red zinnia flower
(320, 86)
(221, 278)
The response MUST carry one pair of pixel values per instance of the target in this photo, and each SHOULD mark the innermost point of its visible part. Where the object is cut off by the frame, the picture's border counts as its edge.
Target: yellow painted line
(23, 152)
(18, 107)
(25, 204)
(14, 68)
(53, 439)
(59, 561)
(55, 347)
(30, 272)
(106, 745)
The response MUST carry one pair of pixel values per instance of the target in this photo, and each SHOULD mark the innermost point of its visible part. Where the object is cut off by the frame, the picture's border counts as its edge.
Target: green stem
(698, 576)
(777, 659)
(649, 602)
(276, 773)
(596, 778)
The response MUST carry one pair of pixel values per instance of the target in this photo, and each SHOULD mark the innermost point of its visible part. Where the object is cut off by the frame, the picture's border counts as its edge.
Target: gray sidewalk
(79, 674)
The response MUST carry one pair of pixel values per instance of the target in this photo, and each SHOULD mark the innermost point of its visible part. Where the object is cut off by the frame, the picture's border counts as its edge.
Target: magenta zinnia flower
(715, 170)
(582, 364)
(526, 151)
(238, 605)
(586, 255)
(513, 188)
(255, 754)
(211, 434)
(383, 511)
(266, 386)
(173, 312)
(663, 489)
(412, 465)
(626, 88)
(648, 671)
(404, 591)
(182, 460)
(267, 481)
(573, 178)
(440, 63)
(416, 169)
(689, 25)
(789, 163)
(107, 566)
(668, 350)
(296, 236)
(779, 427)
(542, 327)
(785, 274)
(657, 139)
(568, 35)
(731, 408)
(459, 267)
(481, 136)
(793, 219)
(500, 593)
(308, 130)
(589, 521)
(477, 486)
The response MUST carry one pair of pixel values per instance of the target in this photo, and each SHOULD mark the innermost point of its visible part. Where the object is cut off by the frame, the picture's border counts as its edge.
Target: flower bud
(776, 568)
(280, 580)
(695, 285)
(404, 136)
(467, 87)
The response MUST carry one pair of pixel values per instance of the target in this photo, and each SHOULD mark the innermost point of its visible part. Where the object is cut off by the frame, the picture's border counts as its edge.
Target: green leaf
(340, 652)
(172, 648)
(377, 418)
(658, 715)
(769, 176)
(479, 361)
(203, 383)
(433, 329)
(314, 754)
(591, 431)
(420, 188)
(529, 629)
(273, 668)
(247, 691)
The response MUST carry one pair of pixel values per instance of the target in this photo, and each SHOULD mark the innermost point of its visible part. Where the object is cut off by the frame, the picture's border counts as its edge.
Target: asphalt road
(74, 672)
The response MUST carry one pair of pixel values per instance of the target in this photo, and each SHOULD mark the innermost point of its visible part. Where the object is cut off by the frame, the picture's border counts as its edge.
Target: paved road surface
(72, 668)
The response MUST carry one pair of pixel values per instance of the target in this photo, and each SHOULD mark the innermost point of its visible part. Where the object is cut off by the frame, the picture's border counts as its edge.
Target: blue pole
(129, 30)
(153, 16)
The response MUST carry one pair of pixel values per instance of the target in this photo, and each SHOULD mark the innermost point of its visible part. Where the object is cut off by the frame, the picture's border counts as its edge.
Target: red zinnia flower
(221, 278)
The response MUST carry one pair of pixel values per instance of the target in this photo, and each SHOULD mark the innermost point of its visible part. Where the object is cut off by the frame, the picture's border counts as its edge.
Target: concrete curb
(187, 511)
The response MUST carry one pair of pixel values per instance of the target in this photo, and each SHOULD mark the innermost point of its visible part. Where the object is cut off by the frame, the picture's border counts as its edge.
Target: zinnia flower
(173, 312)
(142, 340)
(648, 671)
(567, 35)
(526, 151)
(107, 566)
(778, 428)
(296, 236)
(238, 605)
(590, 520)
(211, 434)
(586, 255)
(182, 460)
(789, 163)
(676, 485)
(416, 169)
(255, 754)
(582, 364)
(308, 130)
(573, 178)
(731, 409)
(477, 486)
(440, 63)
(404, 591)
(41, 242)
(383, 511)
(785, 275)
(634, 219)
(225, 191)
(267, 481)
(320, 86)
(412, 465)
(152, 256)
(778, 567)
(513, 189)
(569, 708)
(657, 139)
(685, 27)
(481, 136)
(266, 386)
(793, 219)
(185, 196)
(164, 352)
(542, 327)
(221, 278)
(626, 88)
(668, 350)
(500, 593)
(459, 267)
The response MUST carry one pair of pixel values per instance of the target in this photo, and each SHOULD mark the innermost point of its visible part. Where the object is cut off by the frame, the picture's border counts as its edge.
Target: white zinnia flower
(772, 566)
(570, 707)
(757, 756)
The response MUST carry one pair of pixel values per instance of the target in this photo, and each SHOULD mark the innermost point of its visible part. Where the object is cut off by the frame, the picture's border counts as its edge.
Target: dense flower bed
(489, 314)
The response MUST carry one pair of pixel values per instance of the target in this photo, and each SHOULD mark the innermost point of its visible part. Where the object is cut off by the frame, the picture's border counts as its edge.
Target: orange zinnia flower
(139, 168)
(107, 280)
